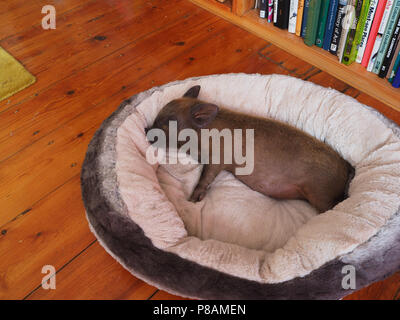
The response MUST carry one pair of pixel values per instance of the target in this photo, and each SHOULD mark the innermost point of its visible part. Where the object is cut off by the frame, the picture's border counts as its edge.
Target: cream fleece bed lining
(290, 240)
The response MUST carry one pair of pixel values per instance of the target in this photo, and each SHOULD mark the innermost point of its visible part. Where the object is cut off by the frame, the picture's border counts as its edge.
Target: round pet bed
(237, 243)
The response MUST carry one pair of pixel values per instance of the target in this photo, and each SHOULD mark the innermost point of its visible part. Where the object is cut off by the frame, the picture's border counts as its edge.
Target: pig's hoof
(197, 196)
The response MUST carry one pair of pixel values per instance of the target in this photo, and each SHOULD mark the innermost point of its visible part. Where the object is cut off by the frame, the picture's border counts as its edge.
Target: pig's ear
(193, 92)
(203, 114)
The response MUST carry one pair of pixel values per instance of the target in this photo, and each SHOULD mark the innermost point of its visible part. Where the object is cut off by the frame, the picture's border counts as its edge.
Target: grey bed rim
(373, 260)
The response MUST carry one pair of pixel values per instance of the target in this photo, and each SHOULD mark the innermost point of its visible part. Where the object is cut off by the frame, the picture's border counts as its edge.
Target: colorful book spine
(390, 51)
(323, 16)
(387, 35)
(365, 10)
(299, 17)
(337, 31)
(379, 35)
(305, 17)
(330, 23)
(347, 23)
(312, 22)
(293, 16)
(373, 32)
(367, 28)
(263, 9)
(283, 14)
(395, 69)
(350, 50)
(395, 63)
(270, 14)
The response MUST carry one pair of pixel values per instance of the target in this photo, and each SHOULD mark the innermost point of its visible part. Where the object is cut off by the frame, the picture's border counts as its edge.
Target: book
(263, 9)
(373, 32)
(347, 21)
(351, 47)
(275, 11)
(305, 14)
(390, 51)
(312, 22)
(367, 27)
(330, 23)
(395, 63)
(283, 14)
(270, 15)
(359, 30)
(381, 30)
(387, 35)
(337, 31)
(323, 16)
(396, 80)
(293, 15)
(299, 17)
(395, 69)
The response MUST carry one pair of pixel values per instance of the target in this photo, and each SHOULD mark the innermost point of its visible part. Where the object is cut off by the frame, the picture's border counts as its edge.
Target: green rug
(13, 76)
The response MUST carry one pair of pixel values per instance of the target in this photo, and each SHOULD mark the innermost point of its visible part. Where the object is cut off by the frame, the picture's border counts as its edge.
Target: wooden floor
(101, 53)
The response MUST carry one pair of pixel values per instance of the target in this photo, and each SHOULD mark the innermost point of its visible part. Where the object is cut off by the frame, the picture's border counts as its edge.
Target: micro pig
(288, 163)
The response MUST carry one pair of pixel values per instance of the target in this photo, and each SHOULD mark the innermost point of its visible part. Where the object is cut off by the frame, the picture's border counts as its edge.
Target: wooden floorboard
(23, 124)
(94, 274)
(81, 79)
(89, 33)
(53, 231)
(17, 16)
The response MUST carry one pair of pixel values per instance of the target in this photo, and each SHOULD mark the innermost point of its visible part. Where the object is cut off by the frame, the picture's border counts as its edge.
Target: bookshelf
(240, 12)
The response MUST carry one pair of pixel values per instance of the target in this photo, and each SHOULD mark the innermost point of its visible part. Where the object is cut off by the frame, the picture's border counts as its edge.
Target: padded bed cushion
(237, 243)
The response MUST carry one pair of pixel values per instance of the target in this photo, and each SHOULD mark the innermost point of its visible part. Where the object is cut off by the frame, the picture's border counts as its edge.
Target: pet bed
(237, 243)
